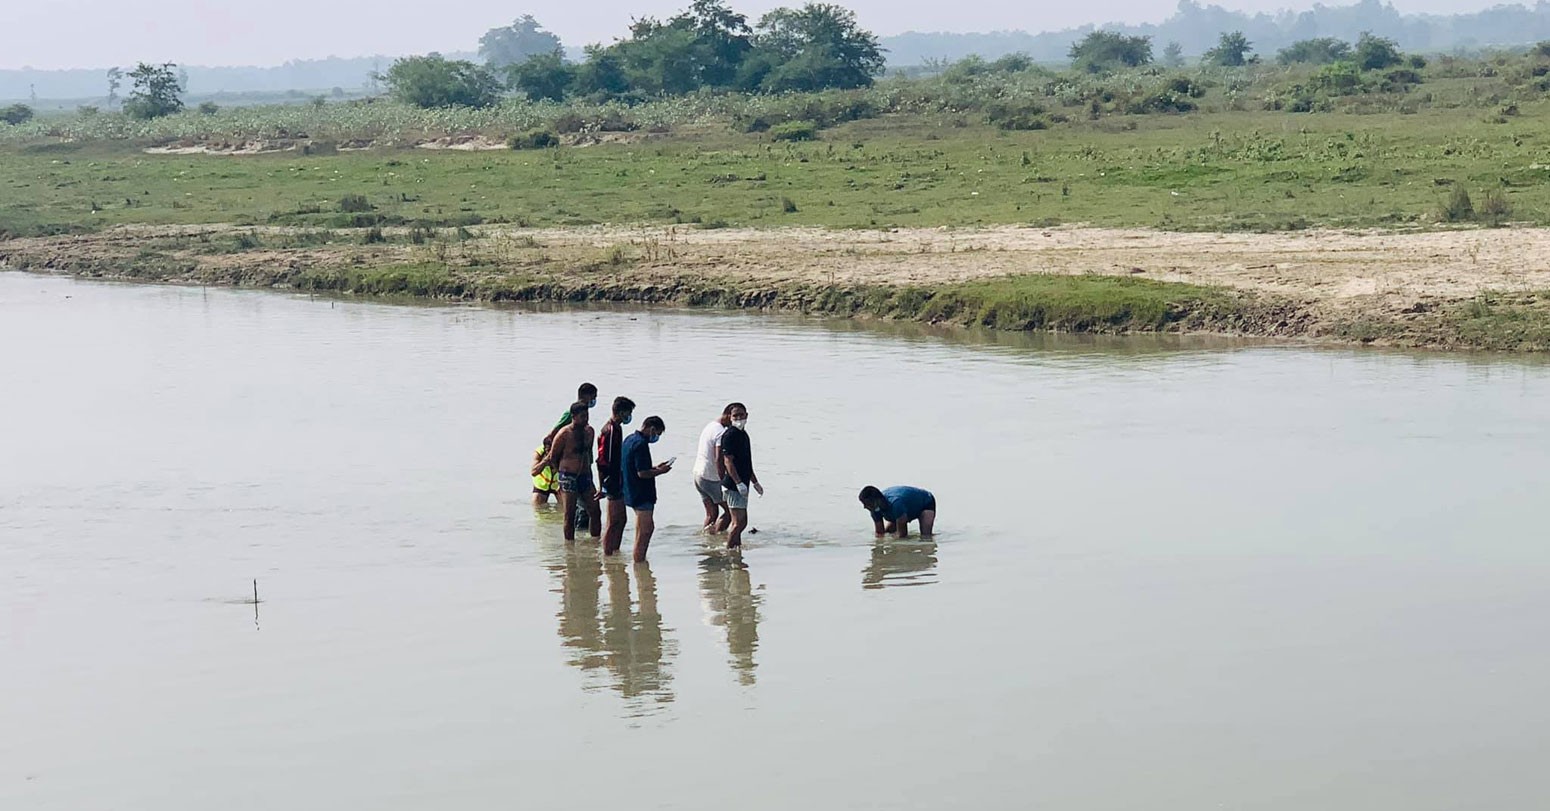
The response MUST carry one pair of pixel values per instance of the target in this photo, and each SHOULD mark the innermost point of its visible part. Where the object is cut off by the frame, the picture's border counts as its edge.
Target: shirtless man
(571, 457)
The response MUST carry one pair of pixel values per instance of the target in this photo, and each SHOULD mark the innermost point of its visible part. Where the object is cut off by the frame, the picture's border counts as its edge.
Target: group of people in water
(724, 476)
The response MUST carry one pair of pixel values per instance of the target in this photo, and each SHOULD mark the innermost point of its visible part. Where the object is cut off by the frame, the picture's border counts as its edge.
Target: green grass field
(1197, 171)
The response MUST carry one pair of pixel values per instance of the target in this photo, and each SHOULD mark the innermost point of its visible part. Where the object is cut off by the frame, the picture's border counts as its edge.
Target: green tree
(516, 43)
(435, 81)
(1319, 51)
(815, 47)
(1173, 55)
(16, 114)
(155, 91)
(115, 81)
(1102, 51)
(1231, 51)
(544, 76)
(603, 73)
(1376, 53)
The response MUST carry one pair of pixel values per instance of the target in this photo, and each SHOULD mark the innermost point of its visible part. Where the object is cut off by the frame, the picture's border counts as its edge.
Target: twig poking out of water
(255, 591)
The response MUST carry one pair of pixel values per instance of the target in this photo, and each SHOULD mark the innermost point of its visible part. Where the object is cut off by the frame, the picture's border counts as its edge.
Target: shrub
(16, 114)
(1458, 208)
(354, 204)
(209, 108)
(1494, 207)
(533, 139)
(1376, 53)
(788, 205)
(373, 236)
(434, 81)
(794, 131)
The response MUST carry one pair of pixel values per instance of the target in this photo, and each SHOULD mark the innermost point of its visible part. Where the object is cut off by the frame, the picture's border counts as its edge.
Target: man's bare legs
(594, 515)
(739, 523)
(712, 514)
(568, 514)
(645, 525)
(540, 498)
(927, 522)
(613, 537)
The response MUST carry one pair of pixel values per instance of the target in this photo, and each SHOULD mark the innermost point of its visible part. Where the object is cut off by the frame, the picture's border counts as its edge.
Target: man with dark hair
(570, 456)
(640, 481)
(707, 472)
(544, 481)
(610, 466)
(893, 509)
(737, 472)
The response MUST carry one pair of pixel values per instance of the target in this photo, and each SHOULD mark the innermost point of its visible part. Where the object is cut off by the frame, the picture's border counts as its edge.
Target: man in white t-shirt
(707, 473)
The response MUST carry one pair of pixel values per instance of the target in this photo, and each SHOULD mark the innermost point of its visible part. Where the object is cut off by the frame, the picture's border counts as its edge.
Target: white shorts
(735, 501)
(709, 491)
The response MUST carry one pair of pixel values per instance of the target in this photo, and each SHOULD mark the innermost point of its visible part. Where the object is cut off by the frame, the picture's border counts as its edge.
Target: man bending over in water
(570, 456)
(893, 509)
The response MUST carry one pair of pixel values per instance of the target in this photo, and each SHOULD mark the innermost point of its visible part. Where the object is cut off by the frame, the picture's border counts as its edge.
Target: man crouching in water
(893, 509)
(570, 456)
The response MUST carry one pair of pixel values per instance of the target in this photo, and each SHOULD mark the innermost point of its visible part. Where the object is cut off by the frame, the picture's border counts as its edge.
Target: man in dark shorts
(544, 481)
(571, 457)
(737, 472)
(893, 509)
(640, 481)
(610, 467)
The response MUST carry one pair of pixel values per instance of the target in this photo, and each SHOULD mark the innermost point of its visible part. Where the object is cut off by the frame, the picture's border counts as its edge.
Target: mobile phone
(670, 461)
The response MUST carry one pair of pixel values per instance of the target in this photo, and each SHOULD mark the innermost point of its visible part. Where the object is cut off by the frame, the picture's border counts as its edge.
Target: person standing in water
(893, 509)
(640, 481)
(738, 473)
(707, 473)
(571, 457)
(610, 471)
(544, 481)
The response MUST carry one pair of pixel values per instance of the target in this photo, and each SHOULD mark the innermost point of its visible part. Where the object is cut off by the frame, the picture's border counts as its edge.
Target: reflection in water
(624, 643)
(726, 591)
(900, 563)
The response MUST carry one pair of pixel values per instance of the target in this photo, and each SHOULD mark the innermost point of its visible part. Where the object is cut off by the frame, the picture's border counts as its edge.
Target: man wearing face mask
(707, 474)
(738, 474)
(640, 480)
(610, 466)
(544, 480)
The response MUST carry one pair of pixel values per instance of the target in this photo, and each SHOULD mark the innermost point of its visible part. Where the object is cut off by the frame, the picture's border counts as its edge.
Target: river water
(1168, 575)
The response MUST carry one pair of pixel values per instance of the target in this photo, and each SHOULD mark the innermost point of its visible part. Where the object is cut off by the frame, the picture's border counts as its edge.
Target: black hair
(578, 407)
(623, 405)
(870, 493)
(655, 422)
(586, 392)
(731, 407)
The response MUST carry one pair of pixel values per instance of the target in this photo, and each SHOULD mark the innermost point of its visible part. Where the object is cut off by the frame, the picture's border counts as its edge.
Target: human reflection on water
(726, 592)
(900, 563)
(624, 643)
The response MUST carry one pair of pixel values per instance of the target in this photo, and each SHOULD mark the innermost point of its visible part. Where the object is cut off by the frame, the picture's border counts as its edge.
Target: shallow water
(1167, 575)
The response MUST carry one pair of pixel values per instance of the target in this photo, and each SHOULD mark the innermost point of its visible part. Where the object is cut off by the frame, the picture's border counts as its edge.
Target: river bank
(1465, 289)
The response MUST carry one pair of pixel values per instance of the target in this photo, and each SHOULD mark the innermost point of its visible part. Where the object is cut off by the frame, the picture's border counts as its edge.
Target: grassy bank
(1202, 171)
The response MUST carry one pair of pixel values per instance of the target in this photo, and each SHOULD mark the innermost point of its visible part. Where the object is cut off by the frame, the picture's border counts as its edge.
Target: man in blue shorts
(893, 509)
(570, 455)
(640, 481)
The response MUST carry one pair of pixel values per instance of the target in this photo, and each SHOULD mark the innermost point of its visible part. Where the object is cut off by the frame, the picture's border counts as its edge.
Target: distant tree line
(708, 46)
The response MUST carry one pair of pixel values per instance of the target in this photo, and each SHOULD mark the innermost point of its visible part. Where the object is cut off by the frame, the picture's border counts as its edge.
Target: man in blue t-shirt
(640, 480)
(893, 509)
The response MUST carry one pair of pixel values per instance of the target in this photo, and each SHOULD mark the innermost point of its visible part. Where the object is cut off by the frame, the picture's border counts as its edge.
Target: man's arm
(877, 524)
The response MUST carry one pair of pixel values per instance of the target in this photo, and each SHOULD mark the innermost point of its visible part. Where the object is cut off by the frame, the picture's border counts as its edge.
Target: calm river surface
(1167, 576)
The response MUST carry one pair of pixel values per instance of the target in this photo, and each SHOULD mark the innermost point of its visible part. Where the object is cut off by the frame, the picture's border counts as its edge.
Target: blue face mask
(628, 418)
(592, 403)
(653, 440)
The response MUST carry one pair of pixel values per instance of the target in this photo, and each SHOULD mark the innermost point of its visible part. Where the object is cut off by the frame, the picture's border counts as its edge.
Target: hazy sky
(92, 33)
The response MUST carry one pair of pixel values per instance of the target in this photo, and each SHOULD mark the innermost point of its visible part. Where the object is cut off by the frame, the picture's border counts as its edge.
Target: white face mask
(740, 424)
